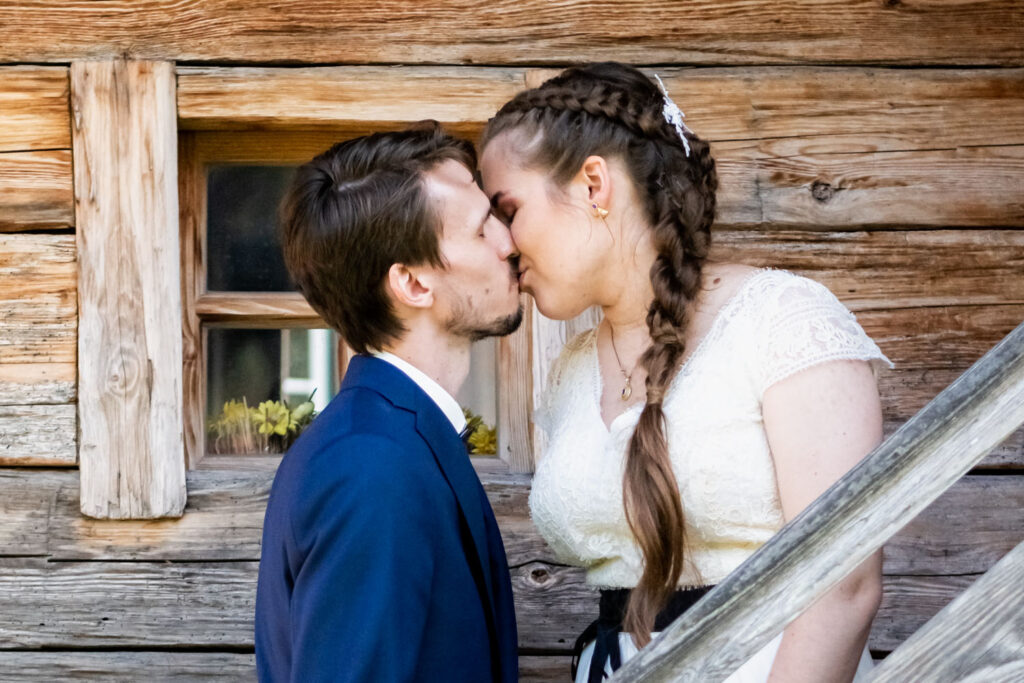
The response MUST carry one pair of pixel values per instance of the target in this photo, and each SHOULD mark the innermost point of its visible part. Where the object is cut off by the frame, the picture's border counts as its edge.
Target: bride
(713, 402)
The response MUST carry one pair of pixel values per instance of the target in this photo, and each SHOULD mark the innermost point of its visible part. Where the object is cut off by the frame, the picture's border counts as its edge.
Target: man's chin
(500, 327)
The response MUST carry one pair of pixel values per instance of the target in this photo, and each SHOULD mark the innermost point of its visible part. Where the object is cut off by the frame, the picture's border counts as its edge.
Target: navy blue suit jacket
(381, 558)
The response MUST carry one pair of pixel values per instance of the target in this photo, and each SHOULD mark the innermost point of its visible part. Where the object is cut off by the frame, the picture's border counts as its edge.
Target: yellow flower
(273, 417)
(235, 412)
(484, 440)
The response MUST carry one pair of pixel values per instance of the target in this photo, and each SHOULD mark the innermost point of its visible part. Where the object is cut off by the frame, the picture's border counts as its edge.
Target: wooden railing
(852, 520)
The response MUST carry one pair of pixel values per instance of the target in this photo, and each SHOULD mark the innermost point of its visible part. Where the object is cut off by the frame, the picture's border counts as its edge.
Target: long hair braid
(614, 110)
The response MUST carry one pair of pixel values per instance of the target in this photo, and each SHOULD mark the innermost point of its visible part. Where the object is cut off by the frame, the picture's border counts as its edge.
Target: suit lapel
(448, 449)
(451, 457)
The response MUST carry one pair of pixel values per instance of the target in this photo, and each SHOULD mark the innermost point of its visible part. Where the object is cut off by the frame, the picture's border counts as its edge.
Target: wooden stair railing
(845, 525)
(977, 637)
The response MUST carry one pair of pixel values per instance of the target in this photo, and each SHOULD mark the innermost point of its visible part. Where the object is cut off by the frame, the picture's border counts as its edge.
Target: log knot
(822, 191)
(125, 371)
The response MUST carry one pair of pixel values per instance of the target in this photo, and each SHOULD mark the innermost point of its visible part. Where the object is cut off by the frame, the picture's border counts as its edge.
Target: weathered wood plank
(342, 97)
(37, 383)
(38, 322)
(892, 269)
(544, 668)
(38, 435)
(783, 108)
(181, 605)
(223, 521)
(129, 285)
(973, 186)
(182, 667)
(798, 111)
(447, 32)
(966, 530)
(908, 602)
(26, 503)
(156, 605)
(38, 303)
(279, 309)
(845, 525)
(979, 636)
(36, 190)
(72, 665)
(34, 108)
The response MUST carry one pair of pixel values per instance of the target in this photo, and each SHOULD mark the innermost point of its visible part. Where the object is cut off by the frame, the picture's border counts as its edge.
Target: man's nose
(501, 237)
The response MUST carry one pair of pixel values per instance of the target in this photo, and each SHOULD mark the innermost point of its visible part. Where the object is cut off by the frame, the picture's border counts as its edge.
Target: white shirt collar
(448, 405)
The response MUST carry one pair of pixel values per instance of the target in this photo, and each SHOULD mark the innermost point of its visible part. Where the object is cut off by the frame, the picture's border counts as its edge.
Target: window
(254, 351)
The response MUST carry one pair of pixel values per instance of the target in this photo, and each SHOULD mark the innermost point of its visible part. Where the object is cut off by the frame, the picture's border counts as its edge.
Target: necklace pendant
(627, 391)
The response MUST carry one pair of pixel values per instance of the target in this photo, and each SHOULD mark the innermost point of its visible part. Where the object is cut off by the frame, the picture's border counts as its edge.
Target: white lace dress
(776, 324)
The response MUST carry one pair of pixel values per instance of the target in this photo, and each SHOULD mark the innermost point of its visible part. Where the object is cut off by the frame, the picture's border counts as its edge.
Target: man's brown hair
(355, 210)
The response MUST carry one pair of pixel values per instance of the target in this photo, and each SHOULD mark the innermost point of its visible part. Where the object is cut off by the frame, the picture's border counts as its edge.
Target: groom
(381, 558)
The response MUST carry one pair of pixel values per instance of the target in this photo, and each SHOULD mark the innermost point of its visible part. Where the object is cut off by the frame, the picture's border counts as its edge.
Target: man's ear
(597, 179)
(410, 286)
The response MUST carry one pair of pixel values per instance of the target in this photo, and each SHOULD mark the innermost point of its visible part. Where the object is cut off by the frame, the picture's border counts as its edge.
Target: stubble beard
(466, 322)
(461, 323)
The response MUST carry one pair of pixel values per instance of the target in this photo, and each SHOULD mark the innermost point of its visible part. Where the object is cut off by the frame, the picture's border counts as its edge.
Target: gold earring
(599, 212)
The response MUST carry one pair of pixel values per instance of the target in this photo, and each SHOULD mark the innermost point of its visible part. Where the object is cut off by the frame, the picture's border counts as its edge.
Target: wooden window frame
(201, 308)
(247, 115)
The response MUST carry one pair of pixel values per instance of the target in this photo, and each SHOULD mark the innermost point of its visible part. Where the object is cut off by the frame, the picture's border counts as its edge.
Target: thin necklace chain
(627, 390)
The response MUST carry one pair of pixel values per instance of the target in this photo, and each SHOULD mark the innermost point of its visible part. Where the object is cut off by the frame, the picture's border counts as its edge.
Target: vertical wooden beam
(129, 289)
(191, 210)
(515, 392)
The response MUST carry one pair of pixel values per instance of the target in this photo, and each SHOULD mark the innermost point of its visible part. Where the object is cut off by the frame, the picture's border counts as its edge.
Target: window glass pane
(242, 248)
(479, 394)
(257, 382)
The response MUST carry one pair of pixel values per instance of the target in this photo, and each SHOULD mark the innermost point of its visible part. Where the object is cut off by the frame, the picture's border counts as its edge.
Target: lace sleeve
(804, 324)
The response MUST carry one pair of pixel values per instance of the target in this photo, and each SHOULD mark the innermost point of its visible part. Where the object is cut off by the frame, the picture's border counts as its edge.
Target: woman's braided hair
(615, 111)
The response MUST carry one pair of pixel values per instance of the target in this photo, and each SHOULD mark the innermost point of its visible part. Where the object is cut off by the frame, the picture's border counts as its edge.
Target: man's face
(478, 293)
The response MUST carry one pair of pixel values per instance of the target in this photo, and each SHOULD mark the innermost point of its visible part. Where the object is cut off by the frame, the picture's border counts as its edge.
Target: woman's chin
(552, 309)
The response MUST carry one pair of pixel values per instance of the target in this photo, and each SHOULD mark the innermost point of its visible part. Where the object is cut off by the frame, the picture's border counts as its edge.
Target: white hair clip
(674, 115)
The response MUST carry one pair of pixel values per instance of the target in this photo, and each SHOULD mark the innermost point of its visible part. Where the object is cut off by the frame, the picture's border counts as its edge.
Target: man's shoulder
(360, 440)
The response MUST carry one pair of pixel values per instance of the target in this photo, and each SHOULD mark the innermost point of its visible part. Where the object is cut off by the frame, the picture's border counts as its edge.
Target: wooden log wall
(190, 583)
(902, 189)
(38, 304)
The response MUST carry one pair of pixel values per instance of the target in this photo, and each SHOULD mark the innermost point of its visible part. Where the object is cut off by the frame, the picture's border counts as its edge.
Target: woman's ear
(596, 177)
(410, 287)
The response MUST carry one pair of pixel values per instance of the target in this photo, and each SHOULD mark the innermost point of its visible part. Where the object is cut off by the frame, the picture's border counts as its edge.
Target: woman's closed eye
(505, 216)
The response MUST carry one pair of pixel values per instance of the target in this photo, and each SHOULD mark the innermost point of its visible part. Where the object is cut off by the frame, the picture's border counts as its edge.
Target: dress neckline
(714, 330)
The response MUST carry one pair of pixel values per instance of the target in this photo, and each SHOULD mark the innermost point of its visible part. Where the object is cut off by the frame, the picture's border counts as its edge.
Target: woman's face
(561, 244)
